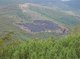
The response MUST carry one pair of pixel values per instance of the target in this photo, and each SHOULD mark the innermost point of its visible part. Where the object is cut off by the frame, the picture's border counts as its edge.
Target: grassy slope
(57, 15)
(7, 20)
(65, 48)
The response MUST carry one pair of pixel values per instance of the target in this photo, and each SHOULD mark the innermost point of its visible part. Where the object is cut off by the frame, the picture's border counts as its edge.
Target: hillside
(39, 29)
(28, 12)
(64, 48)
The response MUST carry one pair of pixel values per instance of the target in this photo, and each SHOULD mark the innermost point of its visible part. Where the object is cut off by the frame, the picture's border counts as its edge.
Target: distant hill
(74, 3)
(18, 11)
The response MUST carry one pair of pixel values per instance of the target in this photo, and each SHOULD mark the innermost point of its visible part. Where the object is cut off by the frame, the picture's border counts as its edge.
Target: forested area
(63, 48)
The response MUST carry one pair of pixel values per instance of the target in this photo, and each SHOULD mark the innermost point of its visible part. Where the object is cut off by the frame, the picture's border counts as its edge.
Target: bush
(65, 48)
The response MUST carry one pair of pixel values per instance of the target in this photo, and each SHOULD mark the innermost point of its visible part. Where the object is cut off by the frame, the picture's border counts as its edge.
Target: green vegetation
(64, 48)
(24, 45)
(37, 46)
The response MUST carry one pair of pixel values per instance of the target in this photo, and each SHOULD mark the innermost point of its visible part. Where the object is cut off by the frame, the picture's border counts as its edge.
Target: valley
(60, 22)
(39, 29)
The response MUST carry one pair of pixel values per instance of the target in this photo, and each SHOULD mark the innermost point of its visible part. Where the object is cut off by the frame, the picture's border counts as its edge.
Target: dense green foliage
(64, 48)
